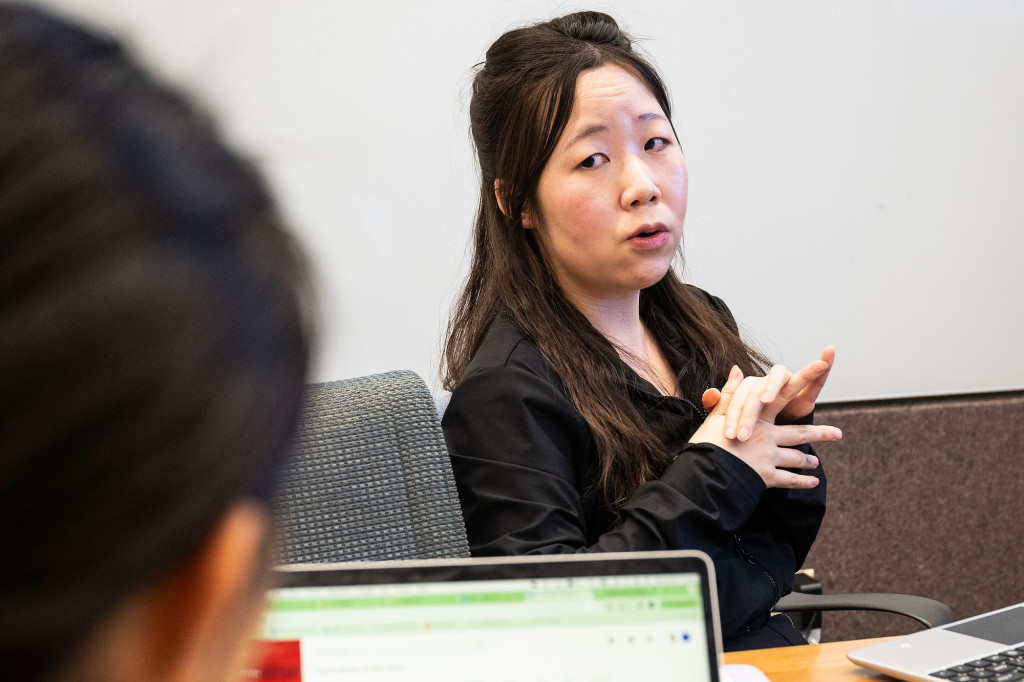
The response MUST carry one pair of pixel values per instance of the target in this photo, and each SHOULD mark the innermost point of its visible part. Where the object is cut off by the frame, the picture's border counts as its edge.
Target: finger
(743, 402)
(777, 377)
(789, 458)
(788, 436)
(797, 383)
(767, 387)
(802, 379)
(787, 479)
(829, 355)
(731, 384)
(710, 398)
(813, 390)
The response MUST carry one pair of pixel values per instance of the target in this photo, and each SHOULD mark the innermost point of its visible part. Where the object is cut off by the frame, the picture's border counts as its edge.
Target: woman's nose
(639, 185)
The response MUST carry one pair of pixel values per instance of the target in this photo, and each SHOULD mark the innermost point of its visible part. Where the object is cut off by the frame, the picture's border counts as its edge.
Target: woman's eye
(592, 161)
(656, 143)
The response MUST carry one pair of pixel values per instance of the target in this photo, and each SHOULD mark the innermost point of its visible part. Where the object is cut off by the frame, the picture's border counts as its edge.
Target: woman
(582, 369)
(153, 349)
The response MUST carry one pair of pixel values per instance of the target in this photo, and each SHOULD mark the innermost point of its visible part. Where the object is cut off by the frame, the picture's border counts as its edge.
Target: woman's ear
(497, 196)
(525, 216)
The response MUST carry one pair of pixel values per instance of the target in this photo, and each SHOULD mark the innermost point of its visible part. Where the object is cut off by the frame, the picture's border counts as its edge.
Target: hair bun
(593, 27)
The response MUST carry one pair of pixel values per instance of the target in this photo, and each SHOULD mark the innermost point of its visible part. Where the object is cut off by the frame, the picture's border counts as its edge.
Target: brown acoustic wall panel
(925, 497)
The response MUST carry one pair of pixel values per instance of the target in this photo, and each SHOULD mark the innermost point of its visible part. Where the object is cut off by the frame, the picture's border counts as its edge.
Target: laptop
(576, 618)
(965, 650)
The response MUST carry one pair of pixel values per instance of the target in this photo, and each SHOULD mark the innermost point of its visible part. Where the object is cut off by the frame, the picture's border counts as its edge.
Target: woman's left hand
(771, 397)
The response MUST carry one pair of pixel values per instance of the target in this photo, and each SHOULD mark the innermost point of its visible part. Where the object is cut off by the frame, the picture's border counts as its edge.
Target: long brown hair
(522, 98)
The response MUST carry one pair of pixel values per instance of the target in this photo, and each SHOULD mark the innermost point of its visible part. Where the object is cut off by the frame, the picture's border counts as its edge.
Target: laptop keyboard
(1006, 666)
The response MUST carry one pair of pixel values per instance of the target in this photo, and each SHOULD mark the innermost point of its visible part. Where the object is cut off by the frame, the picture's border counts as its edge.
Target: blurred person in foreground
(154, 341)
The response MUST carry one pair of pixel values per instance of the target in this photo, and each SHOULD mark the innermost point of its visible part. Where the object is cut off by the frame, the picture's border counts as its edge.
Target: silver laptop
(969, 649)
(585, 618)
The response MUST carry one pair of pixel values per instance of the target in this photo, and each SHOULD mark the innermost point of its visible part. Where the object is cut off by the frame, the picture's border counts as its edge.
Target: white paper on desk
(741, 672)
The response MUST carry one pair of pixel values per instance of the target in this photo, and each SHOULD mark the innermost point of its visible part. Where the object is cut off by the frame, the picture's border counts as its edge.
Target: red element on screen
(279, 661)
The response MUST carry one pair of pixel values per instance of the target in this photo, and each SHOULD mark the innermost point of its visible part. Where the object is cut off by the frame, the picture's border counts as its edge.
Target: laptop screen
(606, 617)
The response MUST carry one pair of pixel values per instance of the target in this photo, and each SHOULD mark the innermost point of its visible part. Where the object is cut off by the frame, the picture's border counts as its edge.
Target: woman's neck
(618, 320)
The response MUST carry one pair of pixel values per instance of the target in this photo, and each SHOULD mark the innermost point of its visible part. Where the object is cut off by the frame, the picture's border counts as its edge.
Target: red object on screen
(277, 661)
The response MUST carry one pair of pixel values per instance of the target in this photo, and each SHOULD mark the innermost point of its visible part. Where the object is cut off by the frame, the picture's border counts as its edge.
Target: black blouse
(525, 465)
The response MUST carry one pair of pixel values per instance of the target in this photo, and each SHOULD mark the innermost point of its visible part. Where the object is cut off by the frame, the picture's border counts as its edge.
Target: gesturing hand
(802, 402)
(767, 446)
(779, 396)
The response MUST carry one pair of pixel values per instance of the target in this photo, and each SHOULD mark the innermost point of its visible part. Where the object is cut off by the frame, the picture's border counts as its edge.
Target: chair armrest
(928, 612)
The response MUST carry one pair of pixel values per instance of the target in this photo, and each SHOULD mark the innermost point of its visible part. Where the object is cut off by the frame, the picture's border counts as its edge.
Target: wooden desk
(812, 663)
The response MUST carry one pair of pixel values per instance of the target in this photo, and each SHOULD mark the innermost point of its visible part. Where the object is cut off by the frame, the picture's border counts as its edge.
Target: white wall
(857, 167)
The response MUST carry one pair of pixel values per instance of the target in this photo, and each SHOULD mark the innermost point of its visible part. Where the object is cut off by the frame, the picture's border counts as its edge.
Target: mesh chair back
(370, 478)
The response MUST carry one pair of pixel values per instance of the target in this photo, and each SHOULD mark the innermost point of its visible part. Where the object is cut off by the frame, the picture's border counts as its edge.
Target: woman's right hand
(768, 450)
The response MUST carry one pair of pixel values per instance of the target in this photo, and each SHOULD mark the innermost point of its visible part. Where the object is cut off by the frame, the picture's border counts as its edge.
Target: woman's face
(612, 197)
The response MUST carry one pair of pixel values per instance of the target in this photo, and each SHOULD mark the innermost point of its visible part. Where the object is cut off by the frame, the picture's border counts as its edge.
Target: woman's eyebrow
(587, 132)
(651, 116)
(600, 128)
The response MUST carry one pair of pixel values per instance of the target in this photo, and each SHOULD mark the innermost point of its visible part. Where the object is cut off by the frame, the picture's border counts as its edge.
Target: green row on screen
(667, 596)
(675, 614)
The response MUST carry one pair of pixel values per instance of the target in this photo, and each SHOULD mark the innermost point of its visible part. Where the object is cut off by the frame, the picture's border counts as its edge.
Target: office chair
(370, 480)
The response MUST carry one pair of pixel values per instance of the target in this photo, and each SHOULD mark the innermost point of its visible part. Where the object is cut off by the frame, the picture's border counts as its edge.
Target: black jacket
(525, 464)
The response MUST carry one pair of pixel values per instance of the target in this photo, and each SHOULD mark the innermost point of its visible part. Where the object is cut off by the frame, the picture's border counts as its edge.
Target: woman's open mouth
(650, 237)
